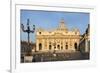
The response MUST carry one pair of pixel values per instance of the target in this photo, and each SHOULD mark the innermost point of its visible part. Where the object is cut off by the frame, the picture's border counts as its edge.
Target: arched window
(54, 45)
(50, 47)
(58, 46)
(75, 45)
(66, 46)
(40, 46)
(61, 47)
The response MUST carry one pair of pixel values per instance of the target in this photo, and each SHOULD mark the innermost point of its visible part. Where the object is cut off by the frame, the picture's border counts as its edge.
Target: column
(86, 46)
(52, 44)
(37, 45)
(60, 43)
(63, 44)
(43, 45)
(47, 45)
(56, 44)
(69, 44)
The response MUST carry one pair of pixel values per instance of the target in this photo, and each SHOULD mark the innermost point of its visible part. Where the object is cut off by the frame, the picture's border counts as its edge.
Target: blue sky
(50, 20)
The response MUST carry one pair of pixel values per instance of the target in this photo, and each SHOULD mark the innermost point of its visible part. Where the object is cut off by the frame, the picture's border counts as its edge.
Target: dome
(62, 26)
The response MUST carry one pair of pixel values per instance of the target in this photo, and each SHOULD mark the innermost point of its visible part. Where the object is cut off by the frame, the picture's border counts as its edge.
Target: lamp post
(28, 31)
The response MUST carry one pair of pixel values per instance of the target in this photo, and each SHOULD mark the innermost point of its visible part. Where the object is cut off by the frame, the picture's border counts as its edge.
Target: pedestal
(28, 59)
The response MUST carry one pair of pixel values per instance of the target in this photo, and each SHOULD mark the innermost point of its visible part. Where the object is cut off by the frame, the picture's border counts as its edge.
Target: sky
(50, 20)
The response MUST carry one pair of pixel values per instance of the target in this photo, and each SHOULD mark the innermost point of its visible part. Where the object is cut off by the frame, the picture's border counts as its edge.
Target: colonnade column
(86, 46)
(37, 45)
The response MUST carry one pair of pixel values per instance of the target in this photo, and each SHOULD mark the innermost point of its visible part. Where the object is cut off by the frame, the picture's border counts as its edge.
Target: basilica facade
(61, 39)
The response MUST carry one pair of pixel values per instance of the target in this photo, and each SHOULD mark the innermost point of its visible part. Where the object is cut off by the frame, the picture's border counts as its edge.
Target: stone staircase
(44, 57)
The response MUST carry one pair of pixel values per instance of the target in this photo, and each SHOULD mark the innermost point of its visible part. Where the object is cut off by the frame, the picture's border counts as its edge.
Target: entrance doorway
(75, 46)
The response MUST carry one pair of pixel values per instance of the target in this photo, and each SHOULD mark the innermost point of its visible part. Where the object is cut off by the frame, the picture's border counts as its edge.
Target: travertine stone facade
(60, 39)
